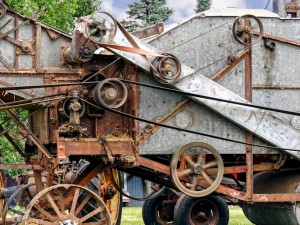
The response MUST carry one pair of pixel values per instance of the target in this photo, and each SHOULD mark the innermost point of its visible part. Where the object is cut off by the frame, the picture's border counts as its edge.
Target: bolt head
(198, 169)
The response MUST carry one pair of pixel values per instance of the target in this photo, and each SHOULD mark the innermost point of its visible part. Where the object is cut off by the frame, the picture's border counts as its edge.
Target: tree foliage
(146, 12)
(60, 13)
(7, 151)
(202, 5)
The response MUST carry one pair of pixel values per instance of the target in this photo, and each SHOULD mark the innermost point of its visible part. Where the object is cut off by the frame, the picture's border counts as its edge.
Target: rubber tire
(149, 211)
(184, 203)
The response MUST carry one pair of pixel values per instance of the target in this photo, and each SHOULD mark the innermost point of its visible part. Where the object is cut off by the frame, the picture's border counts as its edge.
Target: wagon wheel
(242, 32)
(59, 205)
(190, 172)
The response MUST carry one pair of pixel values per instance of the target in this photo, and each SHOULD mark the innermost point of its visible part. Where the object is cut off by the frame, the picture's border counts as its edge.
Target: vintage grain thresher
(208, 110)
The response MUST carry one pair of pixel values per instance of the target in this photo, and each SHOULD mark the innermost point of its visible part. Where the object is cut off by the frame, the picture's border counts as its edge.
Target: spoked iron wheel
(245, 26)
(197, 169)
(59, 205)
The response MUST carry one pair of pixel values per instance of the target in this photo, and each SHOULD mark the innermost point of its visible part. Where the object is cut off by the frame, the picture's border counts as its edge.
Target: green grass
(237, 217)
(133, 216)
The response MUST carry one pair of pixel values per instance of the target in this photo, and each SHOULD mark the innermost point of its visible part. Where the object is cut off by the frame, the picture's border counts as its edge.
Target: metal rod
(249, 138)
(44, 86)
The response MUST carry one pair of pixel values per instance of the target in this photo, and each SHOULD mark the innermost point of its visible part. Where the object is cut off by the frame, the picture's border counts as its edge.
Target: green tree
(60, 13)
(202, 5)
(146, 12)
(7, 152)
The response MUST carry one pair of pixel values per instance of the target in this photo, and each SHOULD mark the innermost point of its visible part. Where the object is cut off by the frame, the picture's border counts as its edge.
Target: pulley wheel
(245, 26)
(197, 169)
(110, 93)
(168, 68)
(100, 27)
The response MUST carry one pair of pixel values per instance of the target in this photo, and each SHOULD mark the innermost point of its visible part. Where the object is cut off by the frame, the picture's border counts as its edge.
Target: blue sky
(182, 8)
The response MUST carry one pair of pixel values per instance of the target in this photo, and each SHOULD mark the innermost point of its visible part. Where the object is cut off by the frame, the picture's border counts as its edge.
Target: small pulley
(2, 9)
(110, 93)
(244, 27)
(68, 104)
(100, 27)
(86, 52)
(166, 69)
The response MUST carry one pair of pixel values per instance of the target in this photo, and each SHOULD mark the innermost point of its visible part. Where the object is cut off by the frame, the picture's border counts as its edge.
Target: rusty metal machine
(207, 110)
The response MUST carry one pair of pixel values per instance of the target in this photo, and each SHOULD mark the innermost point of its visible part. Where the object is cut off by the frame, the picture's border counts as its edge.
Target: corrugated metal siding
(136, 188)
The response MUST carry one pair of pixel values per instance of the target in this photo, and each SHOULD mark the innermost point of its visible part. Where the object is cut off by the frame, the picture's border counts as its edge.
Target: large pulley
(197, 169)
(110, 93)
(246, 25)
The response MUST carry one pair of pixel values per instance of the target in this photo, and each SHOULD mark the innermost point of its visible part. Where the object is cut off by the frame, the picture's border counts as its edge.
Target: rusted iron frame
(34, 45)
(30, 135)
(282, 197)
(91, 171)
(248, 96)
(20, 167)
(89, 146)
(156, 166)
(38, 180)
(43, 71)
(37, 102)
(52, 34)
(228, 68)
(159, 167)
(13, 41)
(16, 31)
(53, 118)
(148, 132)
(134, 106)
(17, 26)
(38, 33)
(280, 39)
(154, 29)
(24, 87)
(242, 169)
(30, 102)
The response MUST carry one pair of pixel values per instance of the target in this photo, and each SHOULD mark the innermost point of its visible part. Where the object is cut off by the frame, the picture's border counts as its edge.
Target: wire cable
(211, 98)
(267, 4)
(185, 130)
